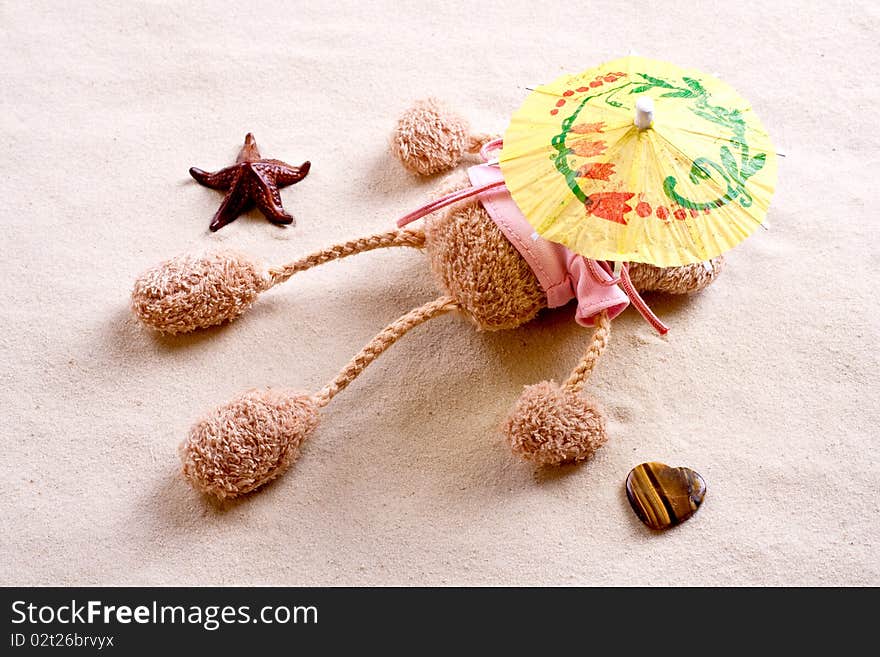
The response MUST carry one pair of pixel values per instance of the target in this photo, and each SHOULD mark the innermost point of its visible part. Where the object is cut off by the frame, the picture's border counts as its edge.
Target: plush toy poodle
(489, 266)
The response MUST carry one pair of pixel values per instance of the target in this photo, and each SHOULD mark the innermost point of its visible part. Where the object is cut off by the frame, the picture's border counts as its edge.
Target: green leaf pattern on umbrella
(734, 173)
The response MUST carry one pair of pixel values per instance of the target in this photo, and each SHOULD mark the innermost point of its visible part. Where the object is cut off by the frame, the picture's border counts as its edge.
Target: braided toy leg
(389, 335)
(584, 369)
(255, 437)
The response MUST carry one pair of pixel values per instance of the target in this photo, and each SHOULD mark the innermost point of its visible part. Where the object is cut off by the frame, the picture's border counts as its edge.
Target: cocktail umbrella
(638, 160)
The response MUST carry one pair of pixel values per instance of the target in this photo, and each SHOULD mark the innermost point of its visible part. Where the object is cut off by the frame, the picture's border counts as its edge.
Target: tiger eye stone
(663, 497)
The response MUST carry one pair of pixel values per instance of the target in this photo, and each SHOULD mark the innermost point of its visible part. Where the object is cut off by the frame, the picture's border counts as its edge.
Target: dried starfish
(251, 181)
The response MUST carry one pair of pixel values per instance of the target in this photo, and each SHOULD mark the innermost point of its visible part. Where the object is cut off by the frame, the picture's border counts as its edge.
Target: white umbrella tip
(644, 112)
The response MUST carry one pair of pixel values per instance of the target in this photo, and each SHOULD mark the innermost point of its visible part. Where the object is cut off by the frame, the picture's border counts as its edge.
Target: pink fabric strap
(449, 199)
(596, 269)
(490, 146)
(636, 299)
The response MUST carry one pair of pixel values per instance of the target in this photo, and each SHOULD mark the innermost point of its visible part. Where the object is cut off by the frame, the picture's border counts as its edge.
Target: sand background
(767, 383)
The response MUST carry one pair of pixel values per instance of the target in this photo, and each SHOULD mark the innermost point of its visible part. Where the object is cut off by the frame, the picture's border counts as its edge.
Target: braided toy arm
(412, 238)
(171, 298)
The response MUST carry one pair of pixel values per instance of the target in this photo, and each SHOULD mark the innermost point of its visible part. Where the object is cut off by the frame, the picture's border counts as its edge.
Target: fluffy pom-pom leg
(247, 442)
(191, 292)
(552, 424)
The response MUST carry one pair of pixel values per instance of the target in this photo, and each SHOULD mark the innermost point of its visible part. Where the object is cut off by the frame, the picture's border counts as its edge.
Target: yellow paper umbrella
(639, 160)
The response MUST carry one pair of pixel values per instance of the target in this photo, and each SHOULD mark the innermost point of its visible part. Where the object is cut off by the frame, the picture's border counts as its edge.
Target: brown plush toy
(241, 445)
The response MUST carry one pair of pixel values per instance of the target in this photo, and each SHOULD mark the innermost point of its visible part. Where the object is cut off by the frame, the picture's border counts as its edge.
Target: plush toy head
(477, 265)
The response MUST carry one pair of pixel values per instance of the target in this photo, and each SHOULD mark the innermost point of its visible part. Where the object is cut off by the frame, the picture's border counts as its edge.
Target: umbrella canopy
(638, 160)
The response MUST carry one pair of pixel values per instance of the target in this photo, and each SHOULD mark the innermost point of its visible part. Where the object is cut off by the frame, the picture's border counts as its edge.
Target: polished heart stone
(663, 497)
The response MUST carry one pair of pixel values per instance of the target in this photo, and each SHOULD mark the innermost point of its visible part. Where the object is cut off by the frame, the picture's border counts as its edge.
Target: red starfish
(251, 181)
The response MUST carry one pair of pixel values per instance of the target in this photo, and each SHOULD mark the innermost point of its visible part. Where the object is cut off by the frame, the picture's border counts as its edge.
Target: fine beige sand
(766, 384)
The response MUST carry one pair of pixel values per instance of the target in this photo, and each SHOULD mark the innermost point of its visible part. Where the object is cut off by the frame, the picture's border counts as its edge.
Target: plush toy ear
(431, 138)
